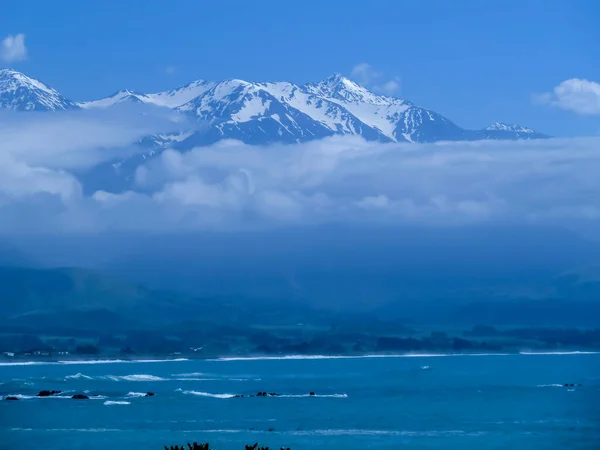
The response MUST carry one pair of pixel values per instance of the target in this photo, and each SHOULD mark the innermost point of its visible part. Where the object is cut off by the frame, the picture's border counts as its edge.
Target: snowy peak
(125, 96)
(22, 93)
(501, 126)
(343, 89)
(181, 95)
(168, 99)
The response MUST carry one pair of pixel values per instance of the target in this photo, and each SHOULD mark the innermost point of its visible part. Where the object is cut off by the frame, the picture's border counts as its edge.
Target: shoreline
(15, 361)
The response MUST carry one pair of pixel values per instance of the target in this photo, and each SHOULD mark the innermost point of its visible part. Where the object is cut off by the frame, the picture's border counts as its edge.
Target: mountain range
(268, 112)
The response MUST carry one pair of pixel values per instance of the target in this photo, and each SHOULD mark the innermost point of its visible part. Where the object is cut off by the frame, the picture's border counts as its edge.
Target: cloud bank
(46, 159)
(576, 95)
(12, 48)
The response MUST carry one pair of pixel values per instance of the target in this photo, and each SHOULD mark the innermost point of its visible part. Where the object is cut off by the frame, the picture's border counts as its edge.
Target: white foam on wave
(136, 394)
(62, 430)
(207, 394)
(78, 376)
(135, 377)
(114, 402)
(23, 363)
(21, 396)
(196, 379)
(359, 432)
(317, 395)
(309, 357)
(95, 361)
(549, 385)
(559, 353)
(192, 374)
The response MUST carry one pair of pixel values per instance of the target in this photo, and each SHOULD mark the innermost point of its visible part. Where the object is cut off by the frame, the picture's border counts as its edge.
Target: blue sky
(472, 61)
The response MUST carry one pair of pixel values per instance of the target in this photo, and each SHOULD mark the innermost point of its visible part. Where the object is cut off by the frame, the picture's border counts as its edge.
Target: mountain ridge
(269, 112)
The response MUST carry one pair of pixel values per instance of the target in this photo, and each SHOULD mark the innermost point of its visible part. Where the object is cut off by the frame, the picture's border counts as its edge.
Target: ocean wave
(316, 395)
(136, 394)
(310, 357)
(113, 402)
(62, 430)
(192, 374)
(559, 353)
(206, 394)
(78, 376)
(549, 385)
(20, 396)
(95, 361)
(196, 379)
(359, 432)
(21, 363)
(134, 377)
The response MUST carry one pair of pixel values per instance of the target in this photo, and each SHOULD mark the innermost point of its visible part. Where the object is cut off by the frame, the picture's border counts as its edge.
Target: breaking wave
(206, 394)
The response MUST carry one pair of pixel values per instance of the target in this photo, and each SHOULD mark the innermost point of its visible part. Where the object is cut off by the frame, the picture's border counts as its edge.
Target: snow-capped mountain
(260, 113)
(500, 126)
(22, 93)
(168, 99)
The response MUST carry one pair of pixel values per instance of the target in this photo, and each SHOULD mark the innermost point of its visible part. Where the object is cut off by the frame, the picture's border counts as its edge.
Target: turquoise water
(436, 402)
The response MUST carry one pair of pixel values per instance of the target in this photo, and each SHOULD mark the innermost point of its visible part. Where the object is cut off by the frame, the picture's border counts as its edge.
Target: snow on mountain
(125, 96)
(168, 99)
(181, 95)
(237, 109)
(22, 93)
(500, 126)
(260, 113)
(377, 111)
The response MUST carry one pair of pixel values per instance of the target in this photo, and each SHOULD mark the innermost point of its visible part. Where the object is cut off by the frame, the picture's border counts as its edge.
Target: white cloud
(390, 87)
(12, 48)
(366, 75)
(230, 185)
(576, 95)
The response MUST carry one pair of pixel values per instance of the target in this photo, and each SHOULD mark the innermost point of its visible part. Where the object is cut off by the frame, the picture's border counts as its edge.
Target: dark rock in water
(47, 393)
(271, 430)
(312, 394)
(194, 446)
(11, 398)
(571, 385)
(261, 394)
(566, 384)
(150, 394)
(274, 394)
(80, 397)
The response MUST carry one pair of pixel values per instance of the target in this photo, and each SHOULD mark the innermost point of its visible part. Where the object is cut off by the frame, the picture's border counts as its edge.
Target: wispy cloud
(12, 48)
(366, 75)
(231, 185)
(576, 95)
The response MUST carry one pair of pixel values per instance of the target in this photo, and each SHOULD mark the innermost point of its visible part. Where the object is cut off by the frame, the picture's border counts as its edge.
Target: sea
(517, 401)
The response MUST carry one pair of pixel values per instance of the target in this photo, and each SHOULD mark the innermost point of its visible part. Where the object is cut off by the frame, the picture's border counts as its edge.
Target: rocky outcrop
(150, 394)
(80, 397)
(47, 393)
(12, 398)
